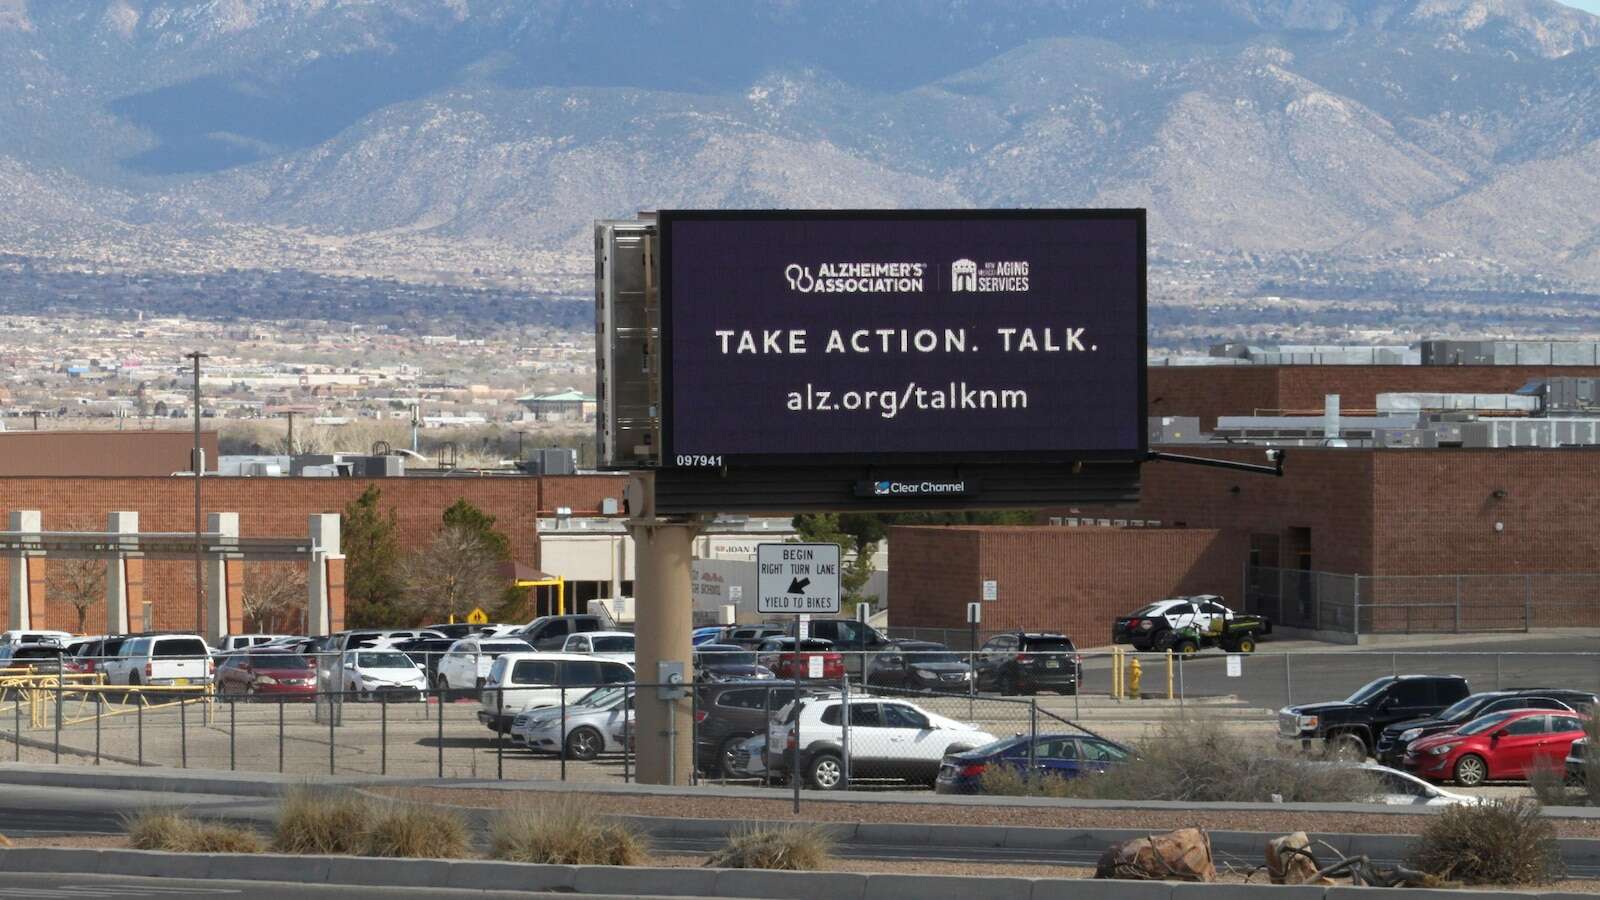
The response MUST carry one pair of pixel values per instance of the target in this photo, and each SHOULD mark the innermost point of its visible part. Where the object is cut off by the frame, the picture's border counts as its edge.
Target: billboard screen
(813, 338)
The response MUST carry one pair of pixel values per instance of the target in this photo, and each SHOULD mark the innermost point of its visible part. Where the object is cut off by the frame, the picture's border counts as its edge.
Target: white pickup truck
(170, 660)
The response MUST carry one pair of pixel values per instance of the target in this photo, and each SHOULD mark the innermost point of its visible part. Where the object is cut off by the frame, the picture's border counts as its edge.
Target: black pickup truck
(1350, 727)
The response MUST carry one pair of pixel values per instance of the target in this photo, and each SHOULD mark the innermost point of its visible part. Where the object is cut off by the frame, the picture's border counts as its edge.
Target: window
(830, 716)
(897, 716)
(1529, 725)
(558, 628)
(533, 671)
(1395, 783)
(1412, 693)
(1100, 751)
(136, 647)
(1212, 609)
(1559, 724)
(616, 644)
(865, 715)
(1056, 748)
(1182, 609)
(615, 673)
(578, 644)
(181, 647)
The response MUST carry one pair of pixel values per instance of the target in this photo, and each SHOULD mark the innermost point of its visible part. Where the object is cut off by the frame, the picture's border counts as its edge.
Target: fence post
(16, 722)
(1182, 710)
(58, 710)
(331, 717)
(844, 694)
(383, 734)
(1356, 626)
(1288, 680)
(139, 718)
(561, 748)
(97, 697)
(280, 734)
(627, 733)
(233, 733)
(1033, 738)
(183, 733)
(1458, 604)
(1497, 658)
(439, 736)
(500, 752)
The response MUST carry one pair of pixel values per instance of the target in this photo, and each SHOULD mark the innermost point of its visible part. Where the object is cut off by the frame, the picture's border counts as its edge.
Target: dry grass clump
(174, 832)
(1198, 761)
(322, 821)
(798, 848)
(1548, 780)
(1494, 842)
(416, 831)
(562, 831)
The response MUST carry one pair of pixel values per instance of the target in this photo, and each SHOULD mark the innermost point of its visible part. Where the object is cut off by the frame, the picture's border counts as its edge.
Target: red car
(1501, 746)
(780, 655)
(271, 673)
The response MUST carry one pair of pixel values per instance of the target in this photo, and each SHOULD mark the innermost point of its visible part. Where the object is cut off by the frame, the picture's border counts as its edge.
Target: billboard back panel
(825, 337)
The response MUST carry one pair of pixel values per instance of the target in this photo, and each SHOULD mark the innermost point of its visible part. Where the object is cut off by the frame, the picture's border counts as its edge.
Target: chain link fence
(1419, 604)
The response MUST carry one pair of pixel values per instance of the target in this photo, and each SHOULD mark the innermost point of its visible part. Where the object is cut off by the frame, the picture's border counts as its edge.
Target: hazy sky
(1590, 5)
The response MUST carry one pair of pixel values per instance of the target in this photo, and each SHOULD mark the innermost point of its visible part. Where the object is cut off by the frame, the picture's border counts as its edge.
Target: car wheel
(1247, 645)
(584, 744)
(1471, 770)
(1186, 647)
(826, 772)
(725, 755)
(1347, 746)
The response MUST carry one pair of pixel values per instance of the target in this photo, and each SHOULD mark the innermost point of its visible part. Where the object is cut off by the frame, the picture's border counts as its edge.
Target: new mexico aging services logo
(1010, 276)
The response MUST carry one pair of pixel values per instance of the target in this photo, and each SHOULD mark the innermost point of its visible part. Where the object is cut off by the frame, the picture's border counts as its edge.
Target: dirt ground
(935, 813)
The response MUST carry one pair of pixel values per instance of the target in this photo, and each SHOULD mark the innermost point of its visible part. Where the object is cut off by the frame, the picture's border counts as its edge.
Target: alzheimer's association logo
(856, 278)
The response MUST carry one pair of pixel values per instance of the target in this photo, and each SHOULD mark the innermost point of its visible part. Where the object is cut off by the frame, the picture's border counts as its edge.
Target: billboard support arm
(1274, 456)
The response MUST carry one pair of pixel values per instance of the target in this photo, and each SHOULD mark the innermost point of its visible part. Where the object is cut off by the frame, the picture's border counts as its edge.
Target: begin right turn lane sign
(798, 578)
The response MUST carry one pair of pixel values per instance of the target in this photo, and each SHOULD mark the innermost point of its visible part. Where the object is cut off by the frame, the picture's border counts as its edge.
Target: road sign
(797, 578)
(1235, 665)
(991, 591)
(974, 613)
(736, 592)
(477, 616)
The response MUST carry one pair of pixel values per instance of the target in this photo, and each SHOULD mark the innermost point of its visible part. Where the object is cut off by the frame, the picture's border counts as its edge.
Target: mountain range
(1417, 143)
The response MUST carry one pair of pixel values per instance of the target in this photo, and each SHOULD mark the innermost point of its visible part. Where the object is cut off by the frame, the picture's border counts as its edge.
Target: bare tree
(271, 591)
(457, 571)
(80, 582)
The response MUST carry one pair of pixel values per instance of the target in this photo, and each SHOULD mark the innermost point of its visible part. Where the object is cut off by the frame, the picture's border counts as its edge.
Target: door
(914, 739)
(1095, 755)
(873, 749)
(1056, 756)
(1558, 743)
(1406, 699)
(1513, 753)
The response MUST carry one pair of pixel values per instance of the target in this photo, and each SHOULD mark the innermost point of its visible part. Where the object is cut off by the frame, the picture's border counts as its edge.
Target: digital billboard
(812, 338)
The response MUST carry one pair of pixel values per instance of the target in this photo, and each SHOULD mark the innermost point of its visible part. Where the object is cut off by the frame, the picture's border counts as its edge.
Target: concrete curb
(590, 880)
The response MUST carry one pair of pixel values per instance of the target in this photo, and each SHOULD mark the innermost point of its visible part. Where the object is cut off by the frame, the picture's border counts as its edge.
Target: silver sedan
(589, 727)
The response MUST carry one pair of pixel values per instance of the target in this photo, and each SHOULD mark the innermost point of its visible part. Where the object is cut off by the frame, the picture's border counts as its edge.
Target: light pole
(197, 464)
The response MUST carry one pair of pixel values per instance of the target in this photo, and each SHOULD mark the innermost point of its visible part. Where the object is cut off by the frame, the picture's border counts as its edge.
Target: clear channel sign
(796, 579)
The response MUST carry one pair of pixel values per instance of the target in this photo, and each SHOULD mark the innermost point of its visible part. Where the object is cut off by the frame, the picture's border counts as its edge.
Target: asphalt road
(1270, 680)
(73, 887)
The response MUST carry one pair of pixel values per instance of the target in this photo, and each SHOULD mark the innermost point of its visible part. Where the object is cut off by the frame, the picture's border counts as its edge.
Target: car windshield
(279, 661)
(385, 661)
(1370, 690)
(728, 658)
(1479, 726)
(1047, 644)
(616, 644)
(931, 656)
(602, 696)
(1462, 708)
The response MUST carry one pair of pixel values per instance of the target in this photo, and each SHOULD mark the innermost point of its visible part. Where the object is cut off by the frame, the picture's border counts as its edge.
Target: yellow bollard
(1169, 674)
(1116, 673)
(1135, 672)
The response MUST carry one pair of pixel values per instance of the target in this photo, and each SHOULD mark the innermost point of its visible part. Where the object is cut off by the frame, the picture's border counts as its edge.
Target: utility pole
(197, 463)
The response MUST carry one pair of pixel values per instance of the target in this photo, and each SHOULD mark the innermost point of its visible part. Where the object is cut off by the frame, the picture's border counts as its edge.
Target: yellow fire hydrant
(1135, 671)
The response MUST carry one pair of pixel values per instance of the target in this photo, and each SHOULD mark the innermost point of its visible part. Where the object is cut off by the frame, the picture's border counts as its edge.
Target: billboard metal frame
(888, 460)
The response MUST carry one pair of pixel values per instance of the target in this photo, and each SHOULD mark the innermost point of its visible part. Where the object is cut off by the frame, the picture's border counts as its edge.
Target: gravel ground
(935, 813)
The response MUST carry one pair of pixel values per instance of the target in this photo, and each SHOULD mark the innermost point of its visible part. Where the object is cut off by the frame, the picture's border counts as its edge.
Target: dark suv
(1028, 662)
(1350, 727)
(1392, 741)
(727, 714)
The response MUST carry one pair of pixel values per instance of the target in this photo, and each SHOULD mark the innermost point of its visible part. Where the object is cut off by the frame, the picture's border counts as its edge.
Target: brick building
(281, 507)
(1349, 540)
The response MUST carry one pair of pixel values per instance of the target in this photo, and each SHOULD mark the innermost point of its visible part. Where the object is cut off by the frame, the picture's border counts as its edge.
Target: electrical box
(670, 681)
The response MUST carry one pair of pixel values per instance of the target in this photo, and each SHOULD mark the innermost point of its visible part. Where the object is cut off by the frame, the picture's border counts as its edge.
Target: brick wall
(1074, 580)
(280, 507)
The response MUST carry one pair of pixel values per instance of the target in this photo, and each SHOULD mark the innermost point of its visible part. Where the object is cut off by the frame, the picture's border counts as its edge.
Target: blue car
(1061, 755)
(707, 635)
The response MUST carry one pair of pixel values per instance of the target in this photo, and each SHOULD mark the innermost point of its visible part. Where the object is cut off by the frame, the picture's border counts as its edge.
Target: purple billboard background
(734, 275)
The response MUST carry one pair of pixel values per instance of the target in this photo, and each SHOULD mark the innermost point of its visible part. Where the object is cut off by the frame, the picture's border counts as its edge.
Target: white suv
(519, 681)
(171, 660)
(465, 666)
(888, 739)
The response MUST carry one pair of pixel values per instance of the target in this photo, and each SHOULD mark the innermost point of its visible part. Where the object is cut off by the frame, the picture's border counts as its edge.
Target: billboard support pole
(663, 622)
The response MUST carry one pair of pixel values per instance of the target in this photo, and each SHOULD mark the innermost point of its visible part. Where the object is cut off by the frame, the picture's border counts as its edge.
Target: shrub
(1008, 781)
(562, 831)
(1495, 842)
(1198, 760)
(174, 832)
(322, 821)
(793, 847)
(416, 831)
(1548, 779)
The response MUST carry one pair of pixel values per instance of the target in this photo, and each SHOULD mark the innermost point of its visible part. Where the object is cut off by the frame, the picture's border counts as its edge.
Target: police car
(1187, 624)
